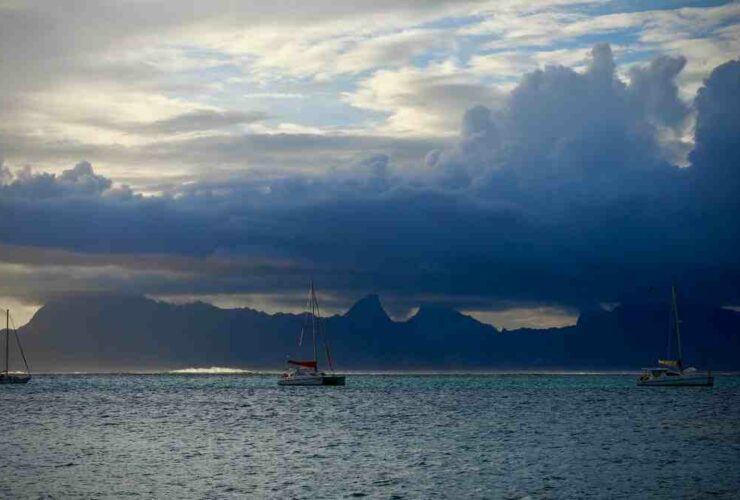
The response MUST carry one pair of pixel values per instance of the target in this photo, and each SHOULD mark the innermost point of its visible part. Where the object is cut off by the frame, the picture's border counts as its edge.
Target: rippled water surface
(495, 436)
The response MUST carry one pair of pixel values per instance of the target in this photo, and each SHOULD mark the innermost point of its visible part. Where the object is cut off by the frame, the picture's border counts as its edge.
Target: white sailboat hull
(697, 379)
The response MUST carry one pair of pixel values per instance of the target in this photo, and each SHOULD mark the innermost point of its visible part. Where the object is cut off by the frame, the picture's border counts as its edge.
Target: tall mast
(321, 328)
(314, 307)
(678, 323)
(7, 337)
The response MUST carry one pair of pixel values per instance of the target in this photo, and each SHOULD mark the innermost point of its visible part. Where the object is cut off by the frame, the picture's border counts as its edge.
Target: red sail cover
(305, 364)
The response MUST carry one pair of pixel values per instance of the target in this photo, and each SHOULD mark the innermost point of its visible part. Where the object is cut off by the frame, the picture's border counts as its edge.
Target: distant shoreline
(369, 373)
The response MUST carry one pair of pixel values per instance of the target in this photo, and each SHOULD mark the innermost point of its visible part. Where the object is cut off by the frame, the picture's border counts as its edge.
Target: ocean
(382, 436)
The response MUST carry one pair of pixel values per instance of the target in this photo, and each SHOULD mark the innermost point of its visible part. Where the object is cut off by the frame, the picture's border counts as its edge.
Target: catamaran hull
(679, 381)
(313, 381)
(14, 379)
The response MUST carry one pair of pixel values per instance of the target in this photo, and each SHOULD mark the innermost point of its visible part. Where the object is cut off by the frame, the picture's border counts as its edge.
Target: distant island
(113, 332)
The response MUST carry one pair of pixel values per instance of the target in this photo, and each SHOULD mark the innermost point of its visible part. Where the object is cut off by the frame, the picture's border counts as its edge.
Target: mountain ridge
(106, 332)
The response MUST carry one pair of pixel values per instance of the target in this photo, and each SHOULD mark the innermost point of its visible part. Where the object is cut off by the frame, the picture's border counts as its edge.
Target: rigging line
(18, 341)
(322, 331)
(314, 305)
(328, 352)
(678, 326)
(670, 333)
(23, 355)
(7, 339)
(305, 320)
(326, 344)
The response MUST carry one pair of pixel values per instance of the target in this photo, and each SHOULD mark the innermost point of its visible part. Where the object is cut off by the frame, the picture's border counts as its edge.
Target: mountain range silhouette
(113, 332)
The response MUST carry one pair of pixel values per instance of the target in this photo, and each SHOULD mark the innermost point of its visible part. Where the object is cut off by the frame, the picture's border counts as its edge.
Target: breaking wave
(213, 370)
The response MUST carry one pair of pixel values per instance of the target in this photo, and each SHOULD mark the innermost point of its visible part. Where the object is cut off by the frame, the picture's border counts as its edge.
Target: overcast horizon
(518, 161)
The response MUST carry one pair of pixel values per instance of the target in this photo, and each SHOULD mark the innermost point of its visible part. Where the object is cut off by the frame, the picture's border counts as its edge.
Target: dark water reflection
(507, 436)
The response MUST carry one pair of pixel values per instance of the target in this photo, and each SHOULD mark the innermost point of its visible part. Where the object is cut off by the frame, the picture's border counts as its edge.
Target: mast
(678, 325)
(7, 338)
(314, 308)
(322, 333)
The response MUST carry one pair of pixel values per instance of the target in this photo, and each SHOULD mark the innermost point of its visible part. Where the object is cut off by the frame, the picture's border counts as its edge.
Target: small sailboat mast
(321, 330)
(678, 325)
(318, 329)
(7, 340)
(314, 312)
(674, 321)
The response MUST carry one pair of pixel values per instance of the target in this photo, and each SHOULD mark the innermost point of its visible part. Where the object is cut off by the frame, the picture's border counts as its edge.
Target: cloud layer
(152, 93)
(562, 192)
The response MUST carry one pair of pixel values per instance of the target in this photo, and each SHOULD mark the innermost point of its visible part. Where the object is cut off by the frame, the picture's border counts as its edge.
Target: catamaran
(307, 372)
(6, 377)
(671, 371)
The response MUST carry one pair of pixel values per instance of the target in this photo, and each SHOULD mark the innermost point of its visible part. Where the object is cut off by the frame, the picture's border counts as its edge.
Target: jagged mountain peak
(368, 307)
(431, 317)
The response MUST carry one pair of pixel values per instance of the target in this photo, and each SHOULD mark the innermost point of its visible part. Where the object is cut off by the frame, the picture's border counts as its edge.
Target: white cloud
(422, 102)
(397, 67)
(512, 64)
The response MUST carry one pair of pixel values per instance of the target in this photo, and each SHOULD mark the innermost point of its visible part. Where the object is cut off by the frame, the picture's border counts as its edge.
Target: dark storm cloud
(79, 181)
(559, 131)
(578, 153)
(718, 125)
(654, 87)
(562, 197)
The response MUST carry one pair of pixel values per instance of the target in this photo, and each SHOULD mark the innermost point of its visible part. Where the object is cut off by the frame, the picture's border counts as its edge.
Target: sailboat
(306, 372)
(5, 376)
(671, 371)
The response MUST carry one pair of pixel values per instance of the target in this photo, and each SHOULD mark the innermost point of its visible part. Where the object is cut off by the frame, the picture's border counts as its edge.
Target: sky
(520, 161)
